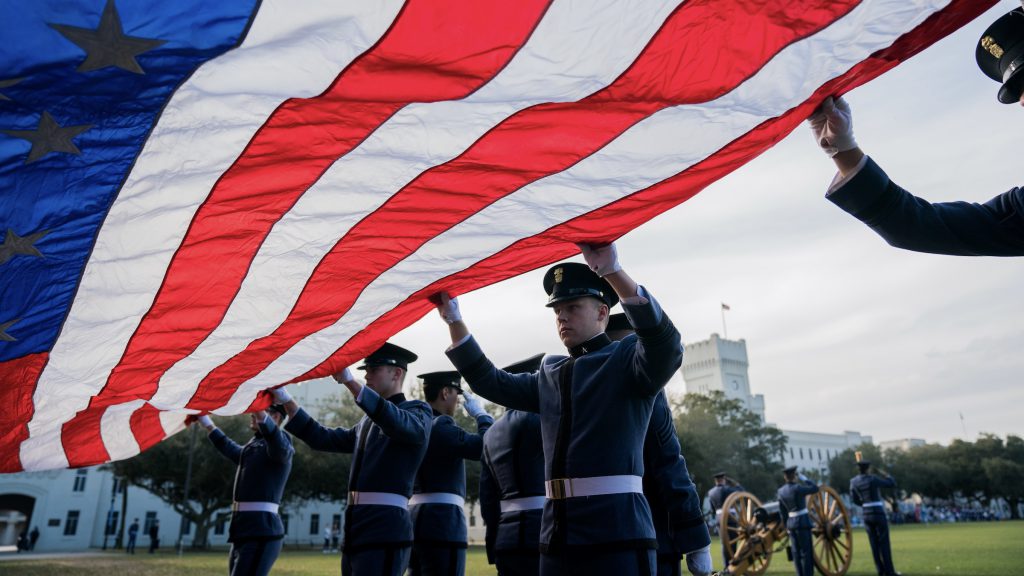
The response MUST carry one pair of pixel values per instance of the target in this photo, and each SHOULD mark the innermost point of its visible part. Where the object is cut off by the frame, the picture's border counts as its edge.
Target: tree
(717, 433)
(923, 470)
(843, 466)
(161, 471)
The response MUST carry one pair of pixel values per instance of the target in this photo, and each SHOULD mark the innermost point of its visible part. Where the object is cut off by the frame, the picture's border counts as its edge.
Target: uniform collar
(397, 398)
(592, 345)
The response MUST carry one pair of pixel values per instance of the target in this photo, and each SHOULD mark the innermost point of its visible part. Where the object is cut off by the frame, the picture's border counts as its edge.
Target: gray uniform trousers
(253, 557)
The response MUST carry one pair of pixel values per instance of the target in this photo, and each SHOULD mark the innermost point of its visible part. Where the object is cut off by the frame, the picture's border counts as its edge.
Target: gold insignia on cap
(558, 275)
(990, 45)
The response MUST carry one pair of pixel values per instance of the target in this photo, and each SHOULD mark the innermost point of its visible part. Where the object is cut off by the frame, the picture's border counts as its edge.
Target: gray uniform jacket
(388, 445)
(867, 488)
(594, 409)
(995, 228)
(675, 505)
(444, 470)
(264, 464)
(793, 499)
(513, 467)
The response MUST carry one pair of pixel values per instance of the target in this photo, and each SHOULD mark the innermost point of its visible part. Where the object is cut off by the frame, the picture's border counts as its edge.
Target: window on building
(284, 520)
(801, 453)
(71, 523)
(336, 521)
(791, 456)
(314, 524)
(80, 481)
(819, 454)
(150, 519)
(114, 516)
(222, 522)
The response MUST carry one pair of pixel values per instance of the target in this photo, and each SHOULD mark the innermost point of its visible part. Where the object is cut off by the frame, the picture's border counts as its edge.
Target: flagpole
(725, 330)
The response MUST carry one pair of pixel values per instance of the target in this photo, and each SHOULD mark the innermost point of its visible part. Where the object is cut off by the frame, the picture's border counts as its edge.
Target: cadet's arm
(279, 448)
(305, 428)
(409, 425)
(226, 446)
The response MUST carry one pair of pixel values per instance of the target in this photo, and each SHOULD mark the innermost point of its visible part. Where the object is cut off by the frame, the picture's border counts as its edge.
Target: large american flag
(202, 200)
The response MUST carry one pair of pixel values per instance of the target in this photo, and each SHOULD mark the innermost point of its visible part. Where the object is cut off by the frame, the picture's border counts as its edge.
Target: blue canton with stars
(81, 86)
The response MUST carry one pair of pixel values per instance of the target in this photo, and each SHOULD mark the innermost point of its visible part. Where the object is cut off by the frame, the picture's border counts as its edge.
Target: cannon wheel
(833, 539)
(747, 552)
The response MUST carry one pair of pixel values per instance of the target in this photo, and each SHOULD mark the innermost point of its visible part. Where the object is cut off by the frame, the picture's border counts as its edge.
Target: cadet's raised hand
(699, 562)
(832, 125)
(474, 407)
(281, 396)
(448, 308)
(206, 422)
(344, 376)
(602, 259)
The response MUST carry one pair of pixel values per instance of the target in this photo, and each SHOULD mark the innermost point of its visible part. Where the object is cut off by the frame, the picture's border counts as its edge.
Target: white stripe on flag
(562, 61)
(236, 93)
(645, 154)
(115, 427)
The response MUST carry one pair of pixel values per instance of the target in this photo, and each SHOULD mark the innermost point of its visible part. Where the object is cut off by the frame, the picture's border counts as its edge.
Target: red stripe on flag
(146, 427)
(433, 52)
(18, 379)
(614, 220)
(530, 145)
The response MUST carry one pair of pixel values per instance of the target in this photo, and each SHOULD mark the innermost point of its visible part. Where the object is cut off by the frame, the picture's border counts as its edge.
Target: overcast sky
(843, 332)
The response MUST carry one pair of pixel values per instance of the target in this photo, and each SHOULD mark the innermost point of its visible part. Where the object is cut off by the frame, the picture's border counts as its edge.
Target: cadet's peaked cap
(1000, 54)
(570, 280)
(528, 366)
(618, 322)
(720, 475)
(864, 464)
(279, 409)
(438, 380)
(389, 355)
(790, 470)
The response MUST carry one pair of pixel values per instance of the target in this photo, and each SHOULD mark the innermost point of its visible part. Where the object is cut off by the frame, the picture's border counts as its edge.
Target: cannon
(751, 532)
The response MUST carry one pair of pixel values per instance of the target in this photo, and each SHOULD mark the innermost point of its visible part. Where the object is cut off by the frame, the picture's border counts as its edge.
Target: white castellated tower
(720, 364)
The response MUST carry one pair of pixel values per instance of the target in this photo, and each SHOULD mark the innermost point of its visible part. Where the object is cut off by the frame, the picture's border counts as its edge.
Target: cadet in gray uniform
(793, 506)
(724, 486)
(512, 487)
(387, 447)
(439, 495)
(264, 464)
(595, 406)
(675, 504)
(865, 489)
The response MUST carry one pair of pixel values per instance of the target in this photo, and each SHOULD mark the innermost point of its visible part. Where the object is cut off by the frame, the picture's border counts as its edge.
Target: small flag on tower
(725, 306)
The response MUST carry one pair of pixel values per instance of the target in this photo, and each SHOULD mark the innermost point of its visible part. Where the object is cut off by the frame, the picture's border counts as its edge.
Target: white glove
(698, 562)
(344, 376)
(832, 125)
(281, 396)
(603, 260)
(803, 478)
(474, 407)
(205, 422)
(448, 308)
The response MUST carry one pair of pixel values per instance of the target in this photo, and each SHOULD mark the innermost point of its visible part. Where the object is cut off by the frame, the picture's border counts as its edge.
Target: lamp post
(188, 480)
(109, 526)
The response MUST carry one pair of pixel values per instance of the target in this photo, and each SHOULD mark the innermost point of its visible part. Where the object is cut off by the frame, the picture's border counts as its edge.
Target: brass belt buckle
(560, 488)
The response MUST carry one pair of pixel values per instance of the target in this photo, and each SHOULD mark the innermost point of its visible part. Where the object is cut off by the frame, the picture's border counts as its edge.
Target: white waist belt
(437, 498)
(878, 503)
(254, 507)
(797, 514)
(377, 498)
(521, 504)
(561, 488)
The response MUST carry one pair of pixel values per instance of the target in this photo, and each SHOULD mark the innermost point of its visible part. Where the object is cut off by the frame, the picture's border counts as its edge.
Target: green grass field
(982, 549)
